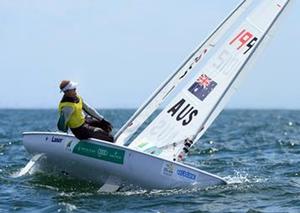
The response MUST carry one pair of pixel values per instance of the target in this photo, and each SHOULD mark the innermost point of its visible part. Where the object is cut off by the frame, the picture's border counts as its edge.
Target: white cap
(71, 85)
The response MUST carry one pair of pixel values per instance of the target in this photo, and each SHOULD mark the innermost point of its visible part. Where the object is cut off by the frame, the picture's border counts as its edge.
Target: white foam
(69, 207)
(243, 177)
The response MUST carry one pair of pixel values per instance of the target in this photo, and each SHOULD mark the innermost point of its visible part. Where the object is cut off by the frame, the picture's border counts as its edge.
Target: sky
(120, 51)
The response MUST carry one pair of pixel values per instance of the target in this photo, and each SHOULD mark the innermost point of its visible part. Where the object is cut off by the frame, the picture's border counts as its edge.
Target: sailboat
(153, 158)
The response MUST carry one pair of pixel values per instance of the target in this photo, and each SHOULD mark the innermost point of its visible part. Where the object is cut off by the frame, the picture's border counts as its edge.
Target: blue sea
(256, 151)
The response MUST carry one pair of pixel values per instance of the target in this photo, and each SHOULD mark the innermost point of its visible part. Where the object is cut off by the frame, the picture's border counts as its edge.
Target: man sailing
(83, 120)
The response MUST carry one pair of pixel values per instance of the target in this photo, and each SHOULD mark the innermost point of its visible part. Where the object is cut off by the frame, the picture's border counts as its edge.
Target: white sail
(143, 113)
(236, 83)
(192, 111)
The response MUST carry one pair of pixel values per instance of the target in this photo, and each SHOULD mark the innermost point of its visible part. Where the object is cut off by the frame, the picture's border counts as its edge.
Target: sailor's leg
(98, 133)
(82, 132)
(93, 122)
(86, 131)
(96, 123)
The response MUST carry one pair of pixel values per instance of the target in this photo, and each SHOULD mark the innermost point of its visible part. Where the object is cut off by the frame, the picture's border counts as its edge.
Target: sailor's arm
(91, 111)
(67, 111)
(64, 118)
(105, 125)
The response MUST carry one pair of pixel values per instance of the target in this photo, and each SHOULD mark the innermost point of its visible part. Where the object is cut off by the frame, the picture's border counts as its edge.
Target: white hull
(96, 160)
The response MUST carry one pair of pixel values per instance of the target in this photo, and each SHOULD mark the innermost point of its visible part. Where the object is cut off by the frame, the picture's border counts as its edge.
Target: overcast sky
(120, 51)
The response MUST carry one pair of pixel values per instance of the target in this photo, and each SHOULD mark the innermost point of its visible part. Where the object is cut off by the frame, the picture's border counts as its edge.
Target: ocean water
(256, 151)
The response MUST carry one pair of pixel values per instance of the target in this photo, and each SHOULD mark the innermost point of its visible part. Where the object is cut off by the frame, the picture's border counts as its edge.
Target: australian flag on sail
(202, 87)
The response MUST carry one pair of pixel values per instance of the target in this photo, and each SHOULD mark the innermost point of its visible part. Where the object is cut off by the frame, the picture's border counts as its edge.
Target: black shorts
(91, 129)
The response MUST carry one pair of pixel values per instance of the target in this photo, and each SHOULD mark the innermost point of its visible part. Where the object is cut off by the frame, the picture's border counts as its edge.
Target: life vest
(77, 118)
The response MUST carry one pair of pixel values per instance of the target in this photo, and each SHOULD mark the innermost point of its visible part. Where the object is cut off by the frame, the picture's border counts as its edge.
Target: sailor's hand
(106, 126)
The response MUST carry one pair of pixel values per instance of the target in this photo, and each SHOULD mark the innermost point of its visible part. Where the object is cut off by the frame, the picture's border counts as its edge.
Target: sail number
(244, 38)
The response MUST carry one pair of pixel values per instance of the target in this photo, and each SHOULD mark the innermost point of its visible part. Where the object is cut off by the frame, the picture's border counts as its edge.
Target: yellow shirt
(77, 117)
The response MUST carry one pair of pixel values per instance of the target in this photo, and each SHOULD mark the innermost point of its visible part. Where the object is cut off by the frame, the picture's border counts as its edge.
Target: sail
(143, 113)
(192, 111)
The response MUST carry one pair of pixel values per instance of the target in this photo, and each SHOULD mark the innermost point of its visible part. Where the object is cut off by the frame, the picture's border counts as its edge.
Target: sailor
(83, 120)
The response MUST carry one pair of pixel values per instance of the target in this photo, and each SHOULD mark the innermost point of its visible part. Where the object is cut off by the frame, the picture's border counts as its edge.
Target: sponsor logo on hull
(99, 152)
(175, 172)
(168, 169)
(186, 174)
(56, 140)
